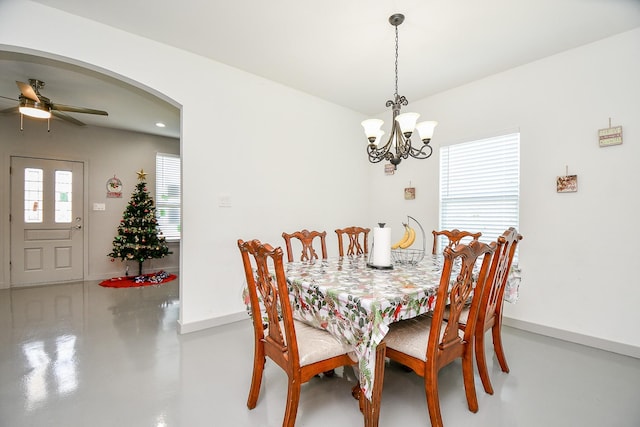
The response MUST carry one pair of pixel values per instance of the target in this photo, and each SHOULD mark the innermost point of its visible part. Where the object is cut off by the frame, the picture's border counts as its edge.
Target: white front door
(47, 233)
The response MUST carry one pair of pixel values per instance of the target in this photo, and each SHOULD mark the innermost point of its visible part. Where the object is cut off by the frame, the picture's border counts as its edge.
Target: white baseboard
(600, 343)
(211, 323)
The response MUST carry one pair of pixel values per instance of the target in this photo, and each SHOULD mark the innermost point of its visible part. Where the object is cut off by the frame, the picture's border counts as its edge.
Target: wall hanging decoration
(114, 187)
(409, 192)
(567, 183)
(610, 136)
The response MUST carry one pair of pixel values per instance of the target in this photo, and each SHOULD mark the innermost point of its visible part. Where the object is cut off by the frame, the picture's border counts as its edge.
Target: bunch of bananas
(407, 239)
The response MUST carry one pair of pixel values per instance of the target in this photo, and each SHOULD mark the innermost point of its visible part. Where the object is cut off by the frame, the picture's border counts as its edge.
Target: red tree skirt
(136, 281)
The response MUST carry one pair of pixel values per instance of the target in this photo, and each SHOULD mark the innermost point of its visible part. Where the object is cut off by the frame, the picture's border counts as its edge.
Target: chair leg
(256, 380)
(293, 399)
(469, 383)
(481, 360)
(433, 399)
(496, 332)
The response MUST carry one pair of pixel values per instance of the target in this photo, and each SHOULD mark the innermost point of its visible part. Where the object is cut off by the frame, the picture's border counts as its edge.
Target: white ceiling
(339, 50)
(129, 108)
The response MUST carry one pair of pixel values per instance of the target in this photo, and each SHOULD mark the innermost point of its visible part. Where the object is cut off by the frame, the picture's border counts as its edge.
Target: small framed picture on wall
(409, 193)
(567, 184)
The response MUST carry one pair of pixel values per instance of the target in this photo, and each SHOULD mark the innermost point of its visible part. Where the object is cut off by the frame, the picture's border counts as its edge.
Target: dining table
(356, 303)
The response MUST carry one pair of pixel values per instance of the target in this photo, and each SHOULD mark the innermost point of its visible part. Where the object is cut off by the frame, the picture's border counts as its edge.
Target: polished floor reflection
(79, 355)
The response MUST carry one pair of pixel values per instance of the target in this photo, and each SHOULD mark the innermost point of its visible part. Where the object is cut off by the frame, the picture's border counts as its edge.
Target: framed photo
(567, 184)
(409, 193)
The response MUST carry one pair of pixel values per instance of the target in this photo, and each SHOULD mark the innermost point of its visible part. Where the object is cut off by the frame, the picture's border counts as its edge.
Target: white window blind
(168, 195)
(479, 186)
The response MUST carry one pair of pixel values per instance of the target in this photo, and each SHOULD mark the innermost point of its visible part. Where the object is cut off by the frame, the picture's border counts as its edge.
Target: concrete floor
(78, 355)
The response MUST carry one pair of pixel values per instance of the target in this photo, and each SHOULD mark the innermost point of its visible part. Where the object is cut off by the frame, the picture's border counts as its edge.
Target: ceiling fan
(32, 103)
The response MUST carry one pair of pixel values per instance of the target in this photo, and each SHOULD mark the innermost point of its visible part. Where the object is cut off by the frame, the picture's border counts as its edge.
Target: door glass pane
(32, 195)
(63, 196)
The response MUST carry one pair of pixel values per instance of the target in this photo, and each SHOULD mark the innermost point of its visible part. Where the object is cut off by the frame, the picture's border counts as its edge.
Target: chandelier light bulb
(372, 127)
(425, 130)
(407, 122)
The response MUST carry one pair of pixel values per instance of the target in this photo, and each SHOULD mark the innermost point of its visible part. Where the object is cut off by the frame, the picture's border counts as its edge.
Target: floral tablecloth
(356, 303)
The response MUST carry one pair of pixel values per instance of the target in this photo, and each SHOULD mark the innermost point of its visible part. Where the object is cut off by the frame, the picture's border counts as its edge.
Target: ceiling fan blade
(9, 110)
(6, 97)
(72, 109)
(68, 118)
(27, 91)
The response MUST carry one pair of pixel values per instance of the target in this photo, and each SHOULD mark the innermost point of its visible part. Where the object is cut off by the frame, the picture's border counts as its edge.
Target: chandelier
(398, 145)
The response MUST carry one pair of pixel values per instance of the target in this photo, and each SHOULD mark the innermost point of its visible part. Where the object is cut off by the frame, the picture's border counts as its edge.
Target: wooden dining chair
(306, 239)
(358, 241)
(490, 310)
(454, 236)
(426, 344)
(301, 350)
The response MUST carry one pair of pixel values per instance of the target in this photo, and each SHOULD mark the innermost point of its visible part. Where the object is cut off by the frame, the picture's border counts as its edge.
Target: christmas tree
(138, 236)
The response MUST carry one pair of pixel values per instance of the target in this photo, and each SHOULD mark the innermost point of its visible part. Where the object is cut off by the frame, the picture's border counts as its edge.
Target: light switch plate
(224, 200)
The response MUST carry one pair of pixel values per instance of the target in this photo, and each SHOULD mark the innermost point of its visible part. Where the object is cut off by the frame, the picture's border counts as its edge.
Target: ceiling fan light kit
(33, 104)
(34, 109)
(402, 125)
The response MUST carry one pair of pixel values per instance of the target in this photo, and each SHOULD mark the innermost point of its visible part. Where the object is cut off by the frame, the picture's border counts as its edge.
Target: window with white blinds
(168, 195)
(479, 186)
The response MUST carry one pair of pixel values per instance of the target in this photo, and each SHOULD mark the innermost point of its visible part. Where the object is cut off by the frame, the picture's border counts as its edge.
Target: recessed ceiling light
(160, 124)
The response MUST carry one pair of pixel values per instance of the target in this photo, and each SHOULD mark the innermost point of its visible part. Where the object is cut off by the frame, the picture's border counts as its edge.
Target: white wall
(280, 175)
(105, 153)
(579, 249)
(283, 157)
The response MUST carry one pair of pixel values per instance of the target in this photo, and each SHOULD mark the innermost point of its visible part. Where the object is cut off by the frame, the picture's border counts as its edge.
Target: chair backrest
(358, 241)
(454, 237)
(459, 280)
(492, 298)
(266, 280)
(306, 238)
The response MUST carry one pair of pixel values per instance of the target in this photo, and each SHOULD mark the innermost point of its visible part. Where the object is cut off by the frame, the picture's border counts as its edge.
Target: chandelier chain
(396, 93)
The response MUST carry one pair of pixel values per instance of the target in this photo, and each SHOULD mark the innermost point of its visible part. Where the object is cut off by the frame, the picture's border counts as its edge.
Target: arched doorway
(133, 113)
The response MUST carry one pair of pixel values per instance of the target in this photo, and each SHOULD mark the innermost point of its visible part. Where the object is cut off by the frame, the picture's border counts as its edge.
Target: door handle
(77, 226)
